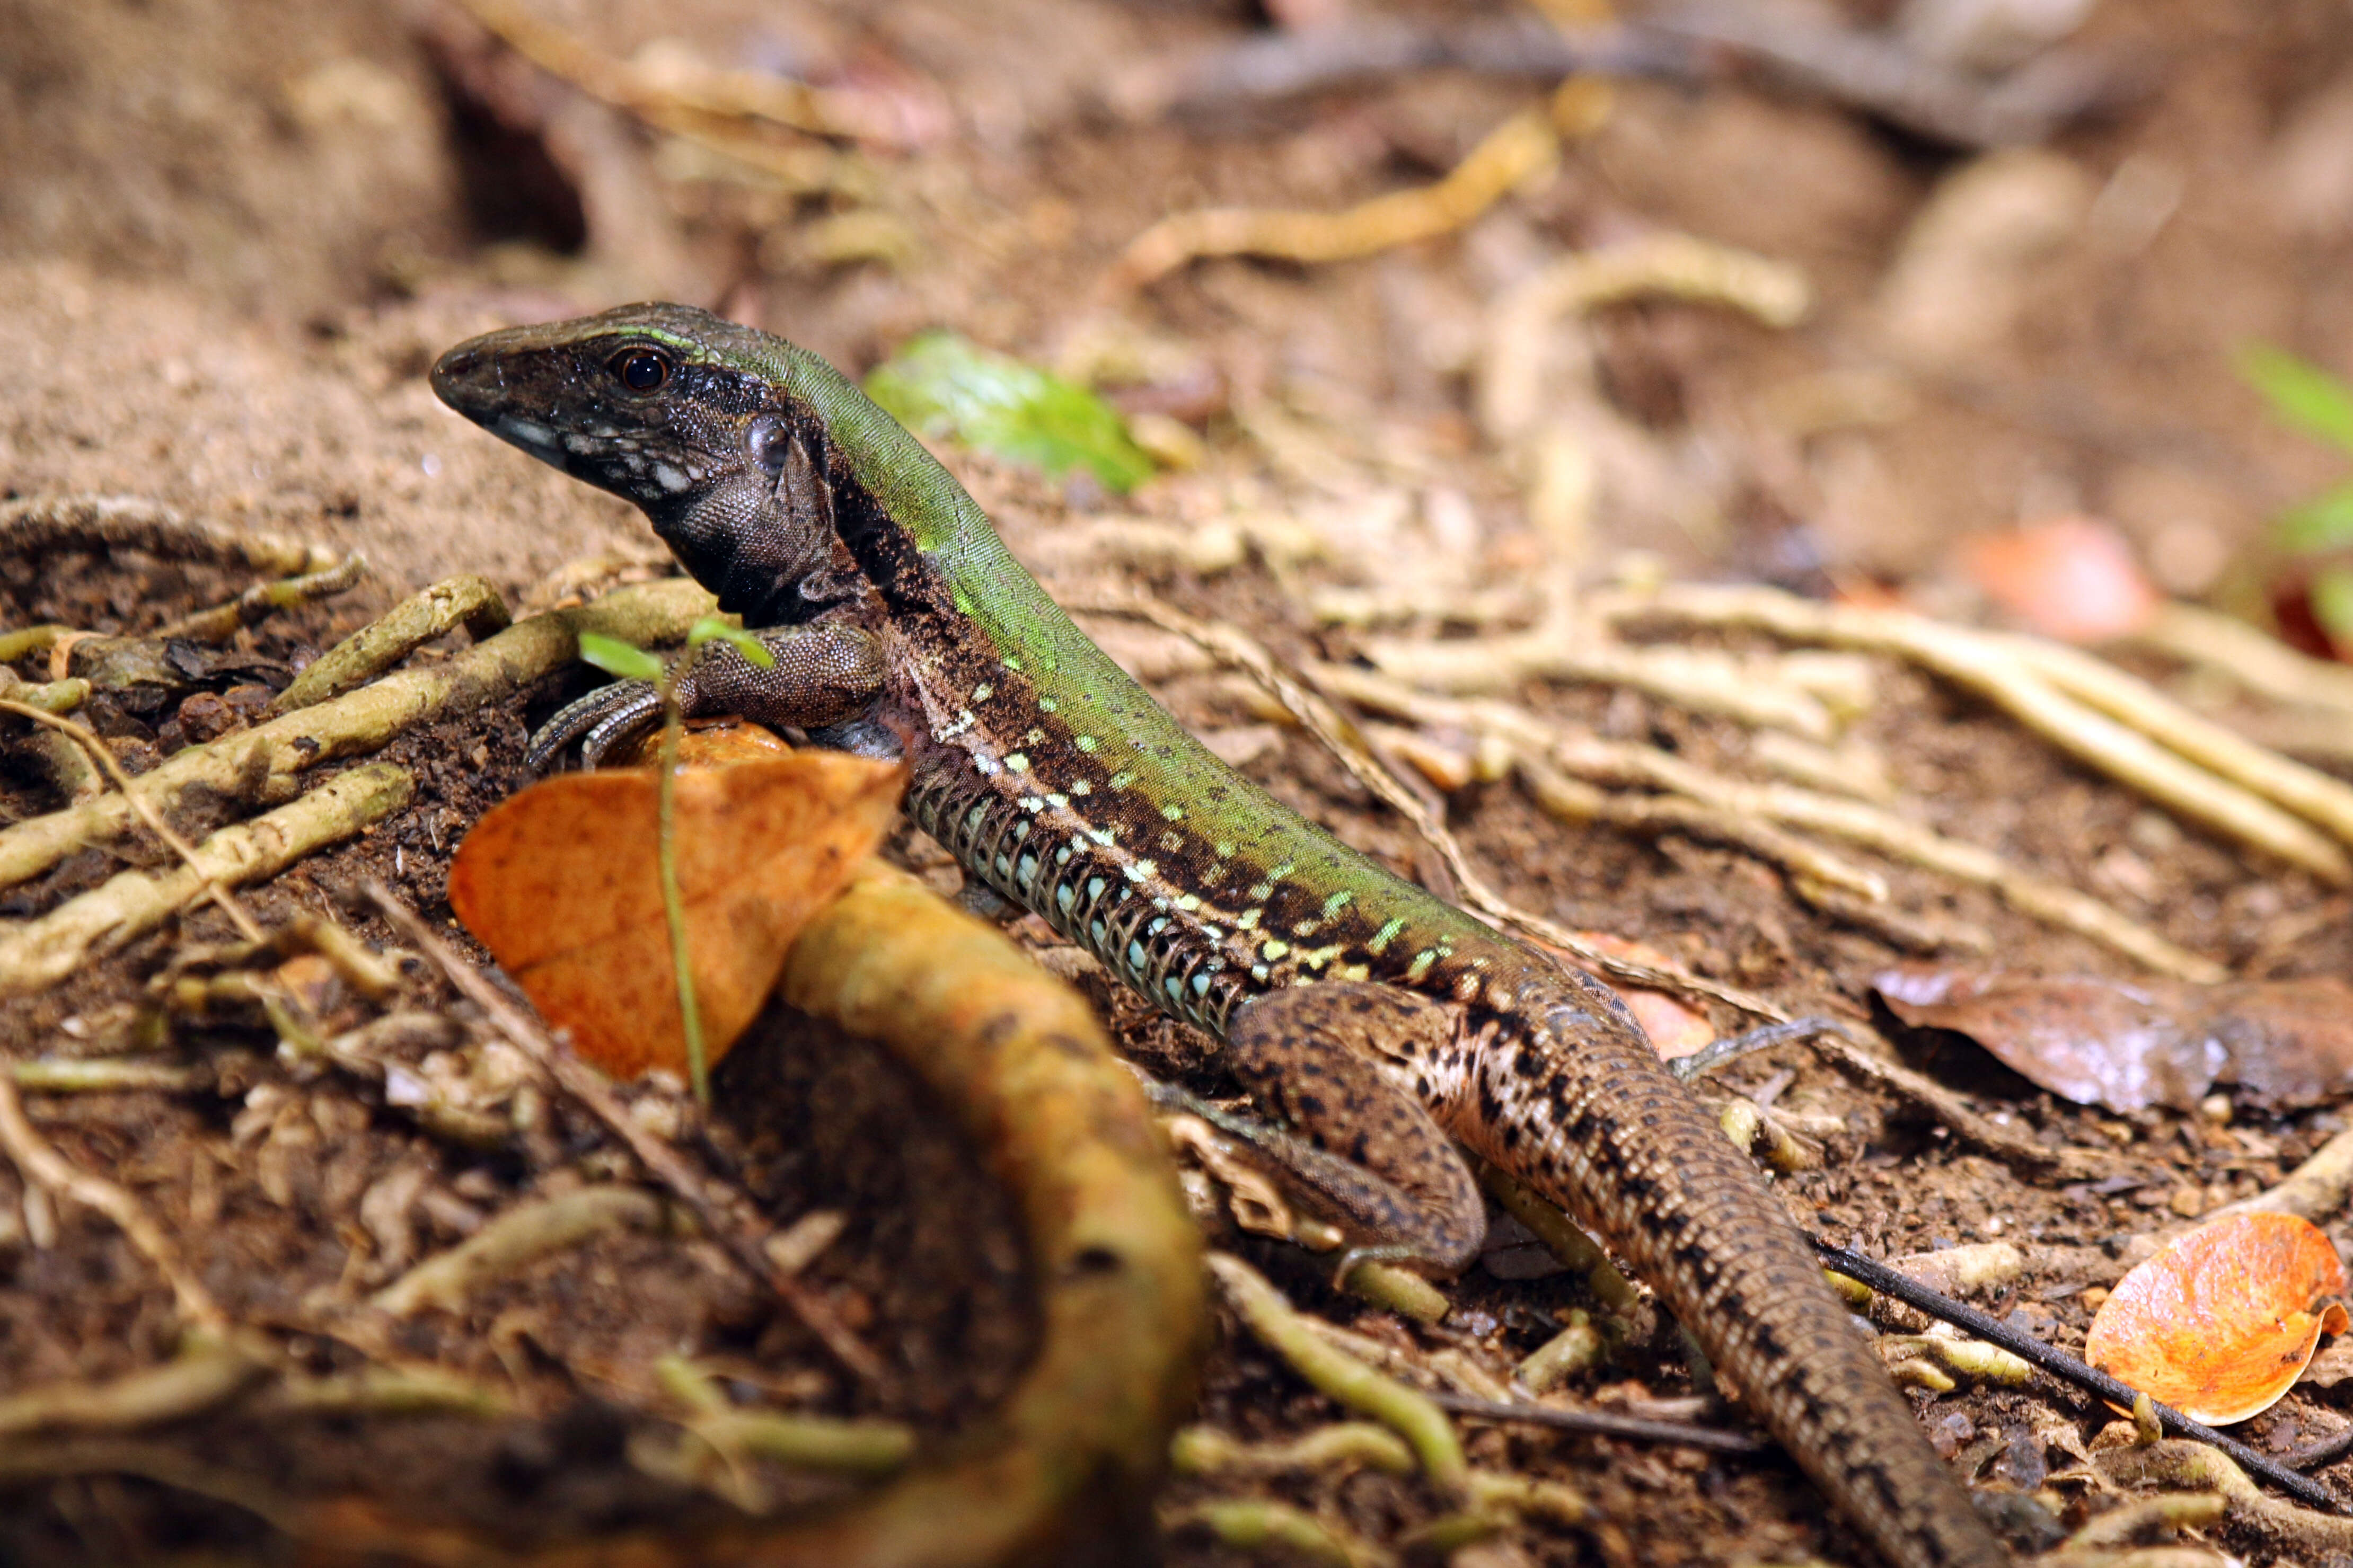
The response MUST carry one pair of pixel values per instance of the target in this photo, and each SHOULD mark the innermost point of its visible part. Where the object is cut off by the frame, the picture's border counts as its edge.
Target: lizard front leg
(1312, 1053)
(824, 673)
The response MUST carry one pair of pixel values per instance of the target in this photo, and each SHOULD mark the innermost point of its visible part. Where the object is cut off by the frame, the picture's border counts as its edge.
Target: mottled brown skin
(1380, 1018)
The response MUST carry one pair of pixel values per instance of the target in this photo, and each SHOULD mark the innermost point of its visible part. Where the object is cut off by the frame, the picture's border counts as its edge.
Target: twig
(1808, 864)
(246, 924)
(1514, 152)
(1675, 266)
(1343, 1377)
(522, 1234)
(468, 601)
(2313, 1191)
(262, 760)
(1337, 1445)
(2315, 1536)
(256, 604)
(1540, 747)
(391, 1391)
(1566, 648)
(103, 1074)
(44, 1167)
(2261, 663)
(196, 1381)
(1732, 1047)
(2066, 1368)
(1868, 70)
(661, 1161)
(42, 525)
(1366, 48)
(676, 96)
(1875, 71)
(42, 952)
(1841, 1044)
(1601, 1424)
(2023, 677)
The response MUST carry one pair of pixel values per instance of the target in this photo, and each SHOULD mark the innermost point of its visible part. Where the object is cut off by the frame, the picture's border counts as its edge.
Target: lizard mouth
(534, 438)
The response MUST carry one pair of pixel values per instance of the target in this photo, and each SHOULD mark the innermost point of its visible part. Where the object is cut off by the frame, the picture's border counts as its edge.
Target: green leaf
(2301, 393)
(2332, 605)
(617, 658)
(711, 629)
(2325, 523)
(943, 384)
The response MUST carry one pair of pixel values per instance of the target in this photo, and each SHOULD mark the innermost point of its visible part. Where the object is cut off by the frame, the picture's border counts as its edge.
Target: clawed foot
(605, 720)
(821, 674)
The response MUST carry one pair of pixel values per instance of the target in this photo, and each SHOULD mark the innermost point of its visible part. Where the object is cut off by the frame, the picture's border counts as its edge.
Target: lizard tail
(1624, 1147)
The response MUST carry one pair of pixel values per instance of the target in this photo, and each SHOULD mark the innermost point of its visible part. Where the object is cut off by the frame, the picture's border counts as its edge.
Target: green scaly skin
(1059, 781)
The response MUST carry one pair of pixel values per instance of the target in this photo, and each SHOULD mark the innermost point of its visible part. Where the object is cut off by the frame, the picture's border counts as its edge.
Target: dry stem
(41, 525)
(2116, 724)
(43, 952)
(44, 1167)
(663, 1163)
(254, 762)
(1520, 148)
(468, 601)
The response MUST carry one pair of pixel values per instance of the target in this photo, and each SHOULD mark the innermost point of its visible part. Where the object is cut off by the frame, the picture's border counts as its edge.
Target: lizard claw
(605, 718)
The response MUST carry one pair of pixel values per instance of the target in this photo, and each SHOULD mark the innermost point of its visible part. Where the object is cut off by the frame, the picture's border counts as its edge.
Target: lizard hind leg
(1311, 1053)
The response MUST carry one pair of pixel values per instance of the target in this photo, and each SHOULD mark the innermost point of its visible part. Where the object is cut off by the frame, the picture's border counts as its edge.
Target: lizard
(1381, 1021)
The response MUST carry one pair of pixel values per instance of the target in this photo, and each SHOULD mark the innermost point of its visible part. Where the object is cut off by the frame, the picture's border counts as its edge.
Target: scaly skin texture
(1061, 784)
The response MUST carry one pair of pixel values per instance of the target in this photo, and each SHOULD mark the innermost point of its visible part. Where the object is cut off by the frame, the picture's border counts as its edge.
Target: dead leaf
(561, 884)
(1675, 1030)
(2222, 1322)
(710, 744)
(2128, 1044)
(2073, 578)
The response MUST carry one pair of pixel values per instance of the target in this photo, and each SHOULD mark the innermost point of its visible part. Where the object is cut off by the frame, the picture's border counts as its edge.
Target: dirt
(231, 245)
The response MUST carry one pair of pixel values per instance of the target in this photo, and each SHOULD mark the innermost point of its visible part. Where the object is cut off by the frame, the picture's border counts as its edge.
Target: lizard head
(690, 417)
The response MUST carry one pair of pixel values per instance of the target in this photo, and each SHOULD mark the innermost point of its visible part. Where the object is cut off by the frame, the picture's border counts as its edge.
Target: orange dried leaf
(2073, 578)
(2222, 1322)
(561, 884)
(716, 744)
(1676, 1031)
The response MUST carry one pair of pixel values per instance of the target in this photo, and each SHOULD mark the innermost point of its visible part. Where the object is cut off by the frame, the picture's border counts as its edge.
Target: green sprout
(626, 662)
(2318, 402)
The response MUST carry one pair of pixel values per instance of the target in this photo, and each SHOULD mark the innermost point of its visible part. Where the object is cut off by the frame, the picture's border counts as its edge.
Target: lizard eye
(639, 369)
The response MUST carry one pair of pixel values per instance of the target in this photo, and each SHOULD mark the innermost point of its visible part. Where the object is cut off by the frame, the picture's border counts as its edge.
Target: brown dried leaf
(561, 884)
(2222, 1322)
(2130, 1044)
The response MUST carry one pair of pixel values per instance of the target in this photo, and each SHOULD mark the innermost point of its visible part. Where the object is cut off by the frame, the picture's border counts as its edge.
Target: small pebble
(204, 717)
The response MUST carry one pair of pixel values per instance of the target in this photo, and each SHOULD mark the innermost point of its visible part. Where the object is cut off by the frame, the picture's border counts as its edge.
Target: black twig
(2066, 1368)
(1732, 1046)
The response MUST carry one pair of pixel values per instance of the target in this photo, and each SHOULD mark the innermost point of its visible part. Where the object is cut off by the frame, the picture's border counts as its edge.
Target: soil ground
(233, 235)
